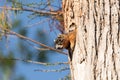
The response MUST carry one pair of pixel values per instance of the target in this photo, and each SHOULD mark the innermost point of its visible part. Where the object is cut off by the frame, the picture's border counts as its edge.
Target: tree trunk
(96, 54)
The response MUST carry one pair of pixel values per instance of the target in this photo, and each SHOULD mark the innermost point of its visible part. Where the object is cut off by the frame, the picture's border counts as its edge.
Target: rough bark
(97, 51)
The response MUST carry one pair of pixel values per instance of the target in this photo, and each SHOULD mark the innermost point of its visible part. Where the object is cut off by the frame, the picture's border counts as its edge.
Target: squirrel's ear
(72, 27)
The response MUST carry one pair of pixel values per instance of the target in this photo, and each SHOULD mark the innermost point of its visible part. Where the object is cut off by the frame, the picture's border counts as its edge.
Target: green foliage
(20, 78)
(67, 77)
(42, 56)
(23, 32)
(7, 65)
(5, 62)
(17, 4)
(16, 23)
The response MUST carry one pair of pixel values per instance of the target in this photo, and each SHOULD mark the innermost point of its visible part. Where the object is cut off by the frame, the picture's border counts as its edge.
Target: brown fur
(66, 41)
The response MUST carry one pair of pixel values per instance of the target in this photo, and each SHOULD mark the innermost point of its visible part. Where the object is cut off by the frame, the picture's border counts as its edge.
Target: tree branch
(58, 70)
(36, 42)
(41, 63)
(32, 10)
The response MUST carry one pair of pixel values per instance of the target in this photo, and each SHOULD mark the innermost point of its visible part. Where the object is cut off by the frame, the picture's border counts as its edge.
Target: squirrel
(67, 40)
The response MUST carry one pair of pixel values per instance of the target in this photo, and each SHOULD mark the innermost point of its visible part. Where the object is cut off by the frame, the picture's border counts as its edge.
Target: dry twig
(29, 39)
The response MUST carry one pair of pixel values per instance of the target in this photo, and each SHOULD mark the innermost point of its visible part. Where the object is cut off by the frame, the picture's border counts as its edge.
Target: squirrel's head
(62, 41)
(59, 41)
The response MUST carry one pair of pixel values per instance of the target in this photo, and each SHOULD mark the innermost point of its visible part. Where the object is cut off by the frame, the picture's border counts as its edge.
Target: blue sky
(28, 70)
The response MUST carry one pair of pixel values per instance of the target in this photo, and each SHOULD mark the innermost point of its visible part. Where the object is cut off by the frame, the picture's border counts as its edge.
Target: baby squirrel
(67, 40)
